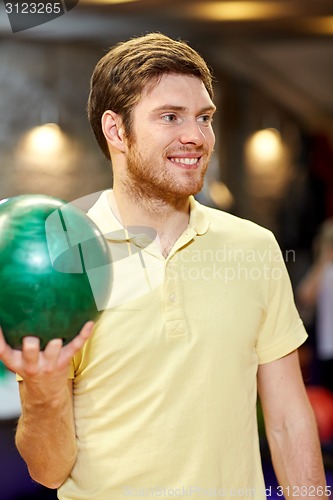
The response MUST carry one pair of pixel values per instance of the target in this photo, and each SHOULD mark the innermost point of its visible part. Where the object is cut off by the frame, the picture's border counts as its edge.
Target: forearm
(297, 459)
(45, 438)
(45, 435)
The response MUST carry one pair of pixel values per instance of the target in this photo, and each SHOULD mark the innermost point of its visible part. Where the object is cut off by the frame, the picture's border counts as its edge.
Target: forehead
(176, 89)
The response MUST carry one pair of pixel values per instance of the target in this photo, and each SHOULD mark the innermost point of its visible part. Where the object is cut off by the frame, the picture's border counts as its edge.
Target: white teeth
(186, 161)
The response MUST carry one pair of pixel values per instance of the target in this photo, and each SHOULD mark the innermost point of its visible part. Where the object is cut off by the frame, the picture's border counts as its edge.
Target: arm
(291, 428)
(45, 434)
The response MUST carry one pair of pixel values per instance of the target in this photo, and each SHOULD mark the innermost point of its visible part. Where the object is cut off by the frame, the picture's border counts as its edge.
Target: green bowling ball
(55, 269)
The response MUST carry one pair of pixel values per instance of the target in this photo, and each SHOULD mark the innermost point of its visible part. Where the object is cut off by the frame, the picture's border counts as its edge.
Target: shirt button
(172, 297)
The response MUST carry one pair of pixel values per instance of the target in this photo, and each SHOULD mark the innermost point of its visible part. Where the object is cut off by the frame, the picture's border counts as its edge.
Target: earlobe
(113, 130)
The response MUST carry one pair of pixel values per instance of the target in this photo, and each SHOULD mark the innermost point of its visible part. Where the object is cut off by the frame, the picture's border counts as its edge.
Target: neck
(168, 218)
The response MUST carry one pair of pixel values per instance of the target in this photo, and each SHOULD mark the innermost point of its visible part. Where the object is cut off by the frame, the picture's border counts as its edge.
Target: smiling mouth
(185, 162)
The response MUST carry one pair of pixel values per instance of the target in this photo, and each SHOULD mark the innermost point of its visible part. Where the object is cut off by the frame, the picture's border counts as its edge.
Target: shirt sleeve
(282, 330)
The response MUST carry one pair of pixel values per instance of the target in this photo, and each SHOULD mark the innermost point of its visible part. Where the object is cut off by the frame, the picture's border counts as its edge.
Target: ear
(113, 130)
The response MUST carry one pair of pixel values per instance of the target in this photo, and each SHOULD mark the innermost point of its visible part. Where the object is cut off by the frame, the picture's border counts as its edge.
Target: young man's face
(172, 138)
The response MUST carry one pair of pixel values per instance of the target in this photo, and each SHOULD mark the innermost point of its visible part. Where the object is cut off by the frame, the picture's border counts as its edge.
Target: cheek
(210, 138)
(152, 139)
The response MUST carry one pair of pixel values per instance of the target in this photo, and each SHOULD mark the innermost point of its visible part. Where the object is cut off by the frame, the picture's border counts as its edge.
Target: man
(161, 399)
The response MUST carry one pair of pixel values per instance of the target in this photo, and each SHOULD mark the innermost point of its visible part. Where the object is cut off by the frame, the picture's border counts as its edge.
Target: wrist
(40, 398)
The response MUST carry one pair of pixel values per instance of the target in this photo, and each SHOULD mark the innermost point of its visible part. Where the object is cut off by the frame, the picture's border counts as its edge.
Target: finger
(4, 347)
(87, 330)
(10, 357)
(77, 343)
(51, 354)
(30, 354)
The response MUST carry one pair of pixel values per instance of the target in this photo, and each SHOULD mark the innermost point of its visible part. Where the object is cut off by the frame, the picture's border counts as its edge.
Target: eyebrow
(173, 107)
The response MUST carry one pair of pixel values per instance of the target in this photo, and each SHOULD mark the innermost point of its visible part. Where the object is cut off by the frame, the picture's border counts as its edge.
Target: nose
(191, 133)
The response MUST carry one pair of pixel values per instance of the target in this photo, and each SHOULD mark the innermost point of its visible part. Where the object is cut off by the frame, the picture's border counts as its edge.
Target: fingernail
(31, 341)
(56, 341)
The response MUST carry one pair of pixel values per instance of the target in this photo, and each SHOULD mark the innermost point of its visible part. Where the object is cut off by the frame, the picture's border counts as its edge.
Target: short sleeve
(281, 330)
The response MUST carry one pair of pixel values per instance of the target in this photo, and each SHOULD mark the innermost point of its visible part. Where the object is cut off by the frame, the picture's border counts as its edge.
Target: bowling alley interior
(272, 63)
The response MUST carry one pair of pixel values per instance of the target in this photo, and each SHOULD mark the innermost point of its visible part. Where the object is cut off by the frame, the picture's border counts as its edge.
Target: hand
(45, 372)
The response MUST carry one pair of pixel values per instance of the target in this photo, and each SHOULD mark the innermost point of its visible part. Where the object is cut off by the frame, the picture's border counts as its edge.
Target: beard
(154, 180)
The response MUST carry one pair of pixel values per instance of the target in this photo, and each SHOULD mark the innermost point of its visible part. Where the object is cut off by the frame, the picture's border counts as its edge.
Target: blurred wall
(43, 82)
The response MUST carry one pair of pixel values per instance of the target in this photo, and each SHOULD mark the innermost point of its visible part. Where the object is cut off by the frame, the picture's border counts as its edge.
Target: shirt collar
(198, 219)
(113, 230)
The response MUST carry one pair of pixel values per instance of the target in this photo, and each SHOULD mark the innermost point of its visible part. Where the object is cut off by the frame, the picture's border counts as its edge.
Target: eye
(170, 117)
(206, 119)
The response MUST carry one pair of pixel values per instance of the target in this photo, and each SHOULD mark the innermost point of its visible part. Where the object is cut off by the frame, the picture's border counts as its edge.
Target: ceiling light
(317, 25)
(106, 2)
(45, 148)
(265, 145)
(221, 195)
(46, 139)
(242, 11)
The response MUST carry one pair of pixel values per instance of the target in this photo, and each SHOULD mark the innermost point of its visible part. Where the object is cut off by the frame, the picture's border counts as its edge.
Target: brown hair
(121, 75)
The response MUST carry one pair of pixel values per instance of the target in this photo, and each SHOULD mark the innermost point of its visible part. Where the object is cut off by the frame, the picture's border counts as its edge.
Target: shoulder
(234, 228)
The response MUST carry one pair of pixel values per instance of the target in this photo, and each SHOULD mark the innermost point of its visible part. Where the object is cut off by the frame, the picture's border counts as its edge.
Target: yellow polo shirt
(165, 390)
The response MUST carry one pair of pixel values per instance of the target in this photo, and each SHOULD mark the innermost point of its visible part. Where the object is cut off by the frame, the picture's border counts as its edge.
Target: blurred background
(273, 66)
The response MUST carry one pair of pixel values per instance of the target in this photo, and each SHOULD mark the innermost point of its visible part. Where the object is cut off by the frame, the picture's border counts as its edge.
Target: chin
(178, 195)
(191, 189)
